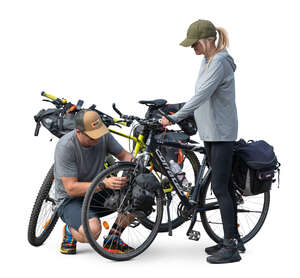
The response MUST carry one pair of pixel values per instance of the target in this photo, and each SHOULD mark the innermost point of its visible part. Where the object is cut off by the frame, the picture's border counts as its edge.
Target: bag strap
(278, 172)
(39, 117)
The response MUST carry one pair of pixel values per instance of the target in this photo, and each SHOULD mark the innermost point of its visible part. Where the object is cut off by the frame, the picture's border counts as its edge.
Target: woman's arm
(205, 87)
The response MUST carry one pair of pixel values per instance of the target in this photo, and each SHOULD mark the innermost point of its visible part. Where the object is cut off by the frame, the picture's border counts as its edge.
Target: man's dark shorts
(70, 210)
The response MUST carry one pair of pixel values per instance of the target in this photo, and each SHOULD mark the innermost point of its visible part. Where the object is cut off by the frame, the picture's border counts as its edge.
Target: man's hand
(115, 183)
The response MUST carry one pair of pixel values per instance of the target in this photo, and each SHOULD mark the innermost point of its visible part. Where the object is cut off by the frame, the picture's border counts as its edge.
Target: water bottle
(176, 169)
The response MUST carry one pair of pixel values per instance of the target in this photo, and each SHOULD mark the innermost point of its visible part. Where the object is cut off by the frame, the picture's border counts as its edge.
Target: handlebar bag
(56, 121)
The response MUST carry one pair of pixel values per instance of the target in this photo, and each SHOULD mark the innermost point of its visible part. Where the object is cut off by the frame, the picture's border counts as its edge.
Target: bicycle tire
(179, 220)
(116, 169)
(43, 195)
(212, 227)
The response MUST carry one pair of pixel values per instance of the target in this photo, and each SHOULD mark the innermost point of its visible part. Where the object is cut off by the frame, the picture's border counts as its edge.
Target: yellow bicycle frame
(139, 147)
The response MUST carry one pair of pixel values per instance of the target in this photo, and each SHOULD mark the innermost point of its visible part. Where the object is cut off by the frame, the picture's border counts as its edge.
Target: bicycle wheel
(135, 235)
(44, 213)
(191, 167)
(252, 212)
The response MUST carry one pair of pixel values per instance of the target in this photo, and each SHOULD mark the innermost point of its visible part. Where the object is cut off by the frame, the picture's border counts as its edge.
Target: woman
(216, 116)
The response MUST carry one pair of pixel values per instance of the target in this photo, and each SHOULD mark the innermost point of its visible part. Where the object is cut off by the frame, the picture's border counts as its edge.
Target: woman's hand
(164, 121)
(115, 183)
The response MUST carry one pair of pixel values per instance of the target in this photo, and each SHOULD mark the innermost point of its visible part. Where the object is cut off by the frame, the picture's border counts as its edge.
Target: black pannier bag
(142, 195)
(188, 125)
(254, 166)
(56, 121)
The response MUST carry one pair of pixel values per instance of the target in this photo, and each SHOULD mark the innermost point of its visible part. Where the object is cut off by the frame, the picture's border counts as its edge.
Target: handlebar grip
(44, 94)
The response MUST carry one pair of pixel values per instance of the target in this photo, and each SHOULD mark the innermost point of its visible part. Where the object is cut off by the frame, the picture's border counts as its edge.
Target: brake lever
(48, 100)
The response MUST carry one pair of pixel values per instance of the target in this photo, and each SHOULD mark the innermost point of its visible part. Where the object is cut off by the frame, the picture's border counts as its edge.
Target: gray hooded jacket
(214, 101)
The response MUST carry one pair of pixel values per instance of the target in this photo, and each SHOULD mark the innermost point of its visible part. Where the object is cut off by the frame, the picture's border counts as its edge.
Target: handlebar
(59, 103)
(124, 119)
(152, 123)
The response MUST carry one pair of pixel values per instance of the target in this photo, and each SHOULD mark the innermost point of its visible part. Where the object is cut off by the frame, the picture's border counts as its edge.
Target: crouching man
(79, 157)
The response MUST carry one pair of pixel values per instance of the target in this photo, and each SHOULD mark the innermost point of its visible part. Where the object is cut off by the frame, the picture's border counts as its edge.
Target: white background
(125, 51)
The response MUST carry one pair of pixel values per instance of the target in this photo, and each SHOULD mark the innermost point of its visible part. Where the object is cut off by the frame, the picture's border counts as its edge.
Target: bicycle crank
(184, 212)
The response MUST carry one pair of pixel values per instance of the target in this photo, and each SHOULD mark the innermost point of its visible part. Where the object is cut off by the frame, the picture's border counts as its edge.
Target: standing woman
(215, 113)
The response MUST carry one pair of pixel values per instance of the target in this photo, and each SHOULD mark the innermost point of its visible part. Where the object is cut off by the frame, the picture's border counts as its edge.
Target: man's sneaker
(227, 254)
(113, 243)
(213, 249)
(68, 245)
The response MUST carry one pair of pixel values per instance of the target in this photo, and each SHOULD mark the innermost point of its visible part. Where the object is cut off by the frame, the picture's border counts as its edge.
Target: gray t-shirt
(71, 159)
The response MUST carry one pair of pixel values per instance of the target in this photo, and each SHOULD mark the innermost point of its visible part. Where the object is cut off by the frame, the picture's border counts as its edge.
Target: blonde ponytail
(223, 41)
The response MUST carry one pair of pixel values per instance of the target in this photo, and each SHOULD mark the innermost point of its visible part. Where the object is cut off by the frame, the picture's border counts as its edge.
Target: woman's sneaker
(213, 249)
(113, 243)
(227, 254)
(68, 245)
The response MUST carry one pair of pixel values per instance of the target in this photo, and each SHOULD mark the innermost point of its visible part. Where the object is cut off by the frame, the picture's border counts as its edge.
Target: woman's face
(198, 48)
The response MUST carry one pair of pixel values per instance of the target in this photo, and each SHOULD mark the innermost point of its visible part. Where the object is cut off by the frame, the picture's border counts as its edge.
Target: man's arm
(125, 156)
(74, 188)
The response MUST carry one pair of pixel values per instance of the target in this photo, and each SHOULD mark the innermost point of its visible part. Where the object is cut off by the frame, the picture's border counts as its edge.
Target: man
(79, 157)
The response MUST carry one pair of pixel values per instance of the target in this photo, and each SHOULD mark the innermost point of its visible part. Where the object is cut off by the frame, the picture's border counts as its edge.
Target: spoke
(248, 210)
(215, 222)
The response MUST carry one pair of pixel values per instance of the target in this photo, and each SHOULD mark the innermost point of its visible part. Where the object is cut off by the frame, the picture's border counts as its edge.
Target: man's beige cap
(89, 122)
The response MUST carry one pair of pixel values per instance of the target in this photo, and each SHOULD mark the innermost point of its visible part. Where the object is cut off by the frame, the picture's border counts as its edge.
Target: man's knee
(95, 228)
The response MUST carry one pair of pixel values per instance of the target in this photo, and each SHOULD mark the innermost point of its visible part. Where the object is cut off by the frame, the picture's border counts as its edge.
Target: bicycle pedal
(194, 235)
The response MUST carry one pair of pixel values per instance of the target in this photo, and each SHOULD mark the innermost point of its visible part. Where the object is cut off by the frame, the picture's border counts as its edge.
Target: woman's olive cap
(200, 29)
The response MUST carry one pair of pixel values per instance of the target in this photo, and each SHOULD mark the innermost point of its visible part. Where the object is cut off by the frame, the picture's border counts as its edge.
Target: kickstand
(169, 197)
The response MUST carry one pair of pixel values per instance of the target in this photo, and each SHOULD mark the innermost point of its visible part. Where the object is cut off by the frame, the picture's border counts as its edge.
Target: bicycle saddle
(155, 102)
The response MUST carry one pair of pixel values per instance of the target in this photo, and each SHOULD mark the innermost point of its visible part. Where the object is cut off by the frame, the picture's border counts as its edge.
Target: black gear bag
(57, 121)
(143, 193)
(188, 125)
(254, 166)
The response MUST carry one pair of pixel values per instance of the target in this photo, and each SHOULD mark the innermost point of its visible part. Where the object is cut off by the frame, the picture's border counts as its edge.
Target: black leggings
(220, 159)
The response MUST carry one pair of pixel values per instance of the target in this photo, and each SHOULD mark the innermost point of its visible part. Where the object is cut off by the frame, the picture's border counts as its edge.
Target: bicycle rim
(135, 235)
(252, 212)
(44, 214)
